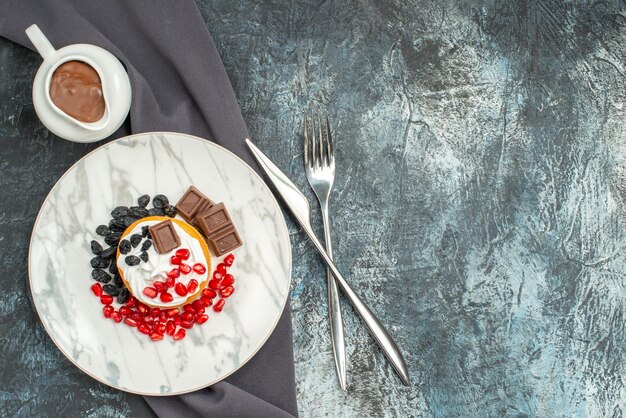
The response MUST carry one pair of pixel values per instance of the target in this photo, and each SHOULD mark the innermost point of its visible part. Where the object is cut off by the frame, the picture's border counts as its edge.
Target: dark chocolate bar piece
(164, 237)
(213, 219)
(192, 203)
(224, 241)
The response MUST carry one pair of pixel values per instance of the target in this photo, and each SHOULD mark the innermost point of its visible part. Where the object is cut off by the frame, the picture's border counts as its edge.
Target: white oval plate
(60, 274)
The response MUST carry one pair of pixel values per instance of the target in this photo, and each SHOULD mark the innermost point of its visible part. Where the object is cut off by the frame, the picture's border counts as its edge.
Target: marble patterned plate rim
(133, 137)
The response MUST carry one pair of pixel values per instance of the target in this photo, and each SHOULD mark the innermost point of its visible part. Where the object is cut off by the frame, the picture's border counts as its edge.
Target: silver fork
(320, 171)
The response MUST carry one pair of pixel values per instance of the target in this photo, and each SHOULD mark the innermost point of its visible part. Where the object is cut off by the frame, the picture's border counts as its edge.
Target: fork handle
(334, 308)
(378, 331)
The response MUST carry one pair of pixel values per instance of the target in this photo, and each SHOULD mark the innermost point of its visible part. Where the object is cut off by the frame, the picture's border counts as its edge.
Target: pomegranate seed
(137, 316)
(227, 291)
(173, 273)
(144, 329)
(177, 321)
(198, 305)
(187, 316)
(218, 276)
(180, 334)
(176, 260)
(221, 268)
(131, 302)
(170, 328)
(106, 299)
(183, 253)
(172, 312)
(228, 280)
(163, 317)
(155, 312)
(156, 337)
(96, 289)
(214, 284)
(209, 293)
(207, 300)
(201, 319)
(142, 308)
(188, 308)
(199, 268)
(219, 305)
(130, 321)
(125, 310)
(200, 310)
(192, 286)
(116, 316)
(148, 320)
(160, 328)
(186, 324)
(180, 289)
(170, 282)
(166, 297)
(107, 311)
(184, 268)
(228, 260)
(159, 286)
(151, 292)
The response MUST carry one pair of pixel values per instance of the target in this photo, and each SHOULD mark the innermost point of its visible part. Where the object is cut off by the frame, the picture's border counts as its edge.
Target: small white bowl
(115, 88)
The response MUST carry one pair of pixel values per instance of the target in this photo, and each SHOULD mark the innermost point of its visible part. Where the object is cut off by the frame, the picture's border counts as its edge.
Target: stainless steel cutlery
(301, 211)
(319, 164)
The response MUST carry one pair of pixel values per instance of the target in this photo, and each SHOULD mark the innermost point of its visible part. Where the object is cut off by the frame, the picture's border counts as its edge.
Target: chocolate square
(201, 209)
(164, 236)
(224, 241)
(192, 203)
(213, 219)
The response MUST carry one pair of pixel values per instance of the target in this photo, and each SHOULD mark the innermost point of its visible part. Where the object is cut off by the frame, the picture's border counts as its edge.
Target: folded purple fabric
(180, 85)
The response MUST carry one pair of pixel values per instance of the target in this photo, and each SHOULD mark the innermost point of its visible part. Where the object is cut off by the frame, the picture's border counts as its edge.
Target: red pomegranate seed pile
(157, 323)
(162, 289)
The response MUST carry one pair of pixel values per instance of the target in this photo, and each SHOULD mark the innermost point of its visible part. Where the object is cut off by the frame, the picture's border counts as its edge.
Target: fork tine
(306, 140)
(322, 160)
(329, 145)
(314, 160)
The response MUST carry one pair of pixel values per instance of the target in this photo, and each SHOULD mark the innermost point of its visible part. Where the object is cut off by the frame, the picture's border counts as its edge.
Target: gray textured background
(479, 203)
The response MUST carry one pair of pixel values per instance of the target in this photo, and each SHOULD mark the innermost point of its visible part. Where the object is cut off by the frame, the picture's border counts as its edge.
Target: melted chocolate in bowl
(76, 89)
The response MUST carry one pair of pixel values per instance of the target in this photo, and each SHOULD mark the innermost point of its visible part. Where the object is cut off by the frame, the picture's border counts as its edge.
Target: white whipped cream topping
(157, 266)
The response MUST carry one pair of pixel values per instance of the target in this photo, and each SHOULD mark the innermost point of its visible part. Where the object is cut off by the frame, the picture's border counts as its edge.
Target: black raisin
(144, 231)
(102, 230)
(111, 289)
(135, 239)
(138, 212)
(169, 211)
(112, 239)
(96, 248)
(129, 220)
(143, 200)
(146, 245)
(113, 267)
(156, 212)
(117, 225)
(109, 252)
(123, 296)
(119, 212)
(144, 256)
(99, 263)
(100, 276)
(117, 280)
(125, 246)
(132, 260)
(160, 201)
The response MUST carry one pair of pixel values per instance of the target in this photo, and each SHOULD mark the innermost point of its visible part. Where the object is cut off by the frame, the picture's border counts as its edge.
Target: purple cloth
(180, 85)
